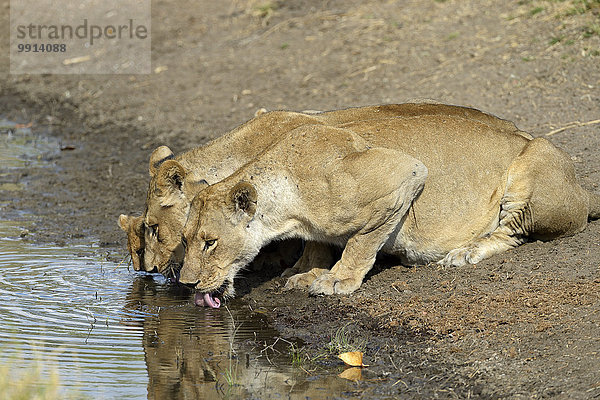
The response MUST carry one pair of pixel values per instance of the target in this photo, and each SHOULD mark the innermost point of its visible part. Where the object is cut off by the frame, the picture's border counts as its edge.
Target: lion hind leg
(542, 200)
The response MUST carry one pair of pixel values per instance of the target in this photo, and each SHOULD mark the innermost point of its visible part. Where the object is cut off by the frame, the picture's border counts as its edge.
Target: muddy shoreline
(523, 324)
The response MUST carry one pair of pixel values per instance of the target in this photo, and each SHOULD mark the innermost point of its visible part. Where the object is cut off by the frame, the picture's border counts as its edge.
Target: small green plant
(230, 373)
(536, 10)
(297, 358)
(592, 30)
(266, 9)
(452, 36)
(555, 39)
(342, 341)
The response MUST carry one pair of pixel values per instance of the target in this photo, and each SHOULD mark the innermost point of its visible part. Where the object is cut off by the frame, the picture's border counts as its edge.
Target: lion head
(217, 244)
(170, 191)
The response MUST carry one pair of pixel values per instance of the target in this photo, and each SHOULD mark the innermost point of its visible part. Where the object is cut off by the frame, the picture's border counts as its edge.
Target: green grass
(536, 10)
(555, 39)
(343, 341)
(582, 6)
(296, 356)
(592, 30)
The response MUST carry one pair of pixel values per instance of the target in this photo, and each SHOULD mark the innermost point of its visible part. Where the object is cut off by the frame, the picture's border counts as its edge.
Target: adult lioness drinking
(429, 188)
(154, 240)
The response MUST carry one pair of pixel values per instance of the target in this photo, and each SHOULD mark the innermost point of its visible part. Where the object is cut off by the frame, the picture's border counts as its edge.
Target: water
(112, 333)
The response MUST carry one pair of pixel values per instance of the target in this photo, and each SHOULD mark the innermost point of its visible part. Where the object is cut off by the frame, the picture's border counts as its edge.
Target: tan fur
(167, 203)
(453, 186)
(134, 228)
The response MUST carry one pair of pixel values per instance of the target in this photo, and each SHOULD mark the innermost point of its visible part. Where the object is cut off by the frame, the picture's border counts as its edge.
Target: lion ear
(243, 197)
(170, 175)
(158, 156)
(128, 221)
(124, 221)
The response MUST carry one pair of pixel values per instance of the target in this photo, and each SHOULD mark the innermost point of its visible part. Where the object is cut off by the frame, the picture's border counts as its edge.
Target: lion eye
(153, 229)
(209, 243)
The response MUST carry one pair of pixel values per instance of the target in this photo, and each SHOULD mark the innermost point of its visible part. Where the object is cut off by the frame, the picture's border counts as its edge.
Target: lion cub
(440, 187)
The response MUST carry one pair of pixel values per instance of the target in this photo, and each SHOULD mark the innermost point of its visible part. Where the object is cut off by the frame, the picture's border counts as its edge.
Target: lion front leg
(357, 259)
(314, 254)
(403, 183)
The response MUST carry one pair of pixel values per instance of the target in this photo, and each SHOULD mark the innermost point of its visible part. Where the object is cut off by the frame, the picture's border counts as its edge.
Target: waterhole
(109, 332)
(113, 333)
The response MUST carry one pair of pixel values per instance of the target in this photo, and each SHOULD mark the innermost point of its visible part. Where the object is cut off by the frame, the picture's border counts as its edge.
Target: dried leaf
(353, 358)
(352, 374)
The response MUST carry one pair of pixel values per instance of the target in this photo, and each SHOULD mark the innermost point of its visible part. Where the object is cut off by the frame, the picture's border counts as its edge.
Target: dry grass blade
(573, 125)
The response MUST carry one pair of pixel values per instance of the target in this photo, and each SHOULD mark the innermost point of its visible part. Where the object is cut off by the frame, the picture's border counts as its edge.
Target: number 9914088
(41, 48)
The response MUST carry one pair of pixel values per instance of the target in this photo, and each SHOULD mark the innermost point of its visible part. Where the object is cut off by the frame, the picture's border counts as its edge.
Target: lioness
(436, 187)
(175, 180)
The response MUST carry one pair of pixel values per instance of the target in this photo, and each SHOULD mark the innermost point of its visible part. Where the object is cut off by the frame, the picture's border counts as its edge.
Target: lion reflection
(187, 350)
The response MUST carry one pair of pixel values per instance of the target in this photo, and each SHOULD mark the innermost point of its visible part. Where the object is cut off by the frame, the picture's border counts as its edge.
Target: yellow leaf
(353, 358)
(352, 374)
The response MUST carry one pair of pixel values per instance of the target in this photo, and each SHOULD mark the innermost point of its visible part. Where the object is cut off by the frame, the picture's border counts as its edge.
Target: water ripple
(69, 311)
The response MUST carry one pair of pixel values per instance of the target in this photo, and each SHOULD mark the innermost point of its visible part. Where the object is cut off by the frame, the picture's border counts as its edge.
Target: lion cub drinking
(430, 188)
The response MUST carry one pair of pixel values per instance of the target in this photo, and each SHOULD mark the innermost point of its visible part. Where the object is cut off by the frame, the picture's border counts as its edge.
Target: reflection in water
(196, 353)
(113, 333)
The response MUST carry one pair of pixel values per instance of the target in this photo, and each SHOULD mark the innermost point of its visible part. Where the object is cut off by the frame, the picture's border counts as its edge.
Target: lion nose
(187, 277)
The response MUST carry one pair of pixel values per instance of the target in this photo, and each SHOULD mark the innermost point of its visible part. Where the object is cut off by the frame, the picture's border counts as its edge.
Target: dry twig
(573, 125)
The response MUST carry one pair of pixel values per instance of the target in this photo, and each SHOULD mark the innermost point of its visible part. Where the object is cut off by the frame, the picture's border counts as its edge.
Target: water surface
(110, 332)
(113, 333)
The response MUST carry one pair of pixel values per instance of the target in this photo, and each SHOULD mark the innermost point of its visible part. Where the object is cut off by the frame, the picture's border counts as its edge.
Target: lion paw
(303, 280)
(462, 256)
(329, 284)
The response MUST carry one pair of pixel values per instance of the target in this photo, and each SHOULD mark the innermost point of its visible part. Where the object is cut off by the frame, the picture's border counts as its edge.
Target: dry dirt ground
(524, 324)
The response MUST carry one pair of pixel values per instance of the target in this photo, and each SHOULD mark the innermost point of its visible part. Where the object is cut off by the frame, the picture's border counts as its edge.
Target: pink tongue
(206, 300)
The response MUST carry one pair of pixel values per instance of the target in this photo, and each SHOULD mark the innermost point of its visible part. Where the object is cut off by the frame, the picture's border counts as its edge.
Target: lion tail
(594, 206)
